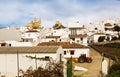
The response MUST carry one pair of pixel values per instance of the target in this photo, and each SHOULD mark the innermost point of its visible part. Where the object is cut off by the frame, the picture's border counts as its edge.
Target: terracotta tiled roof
(37, 49)
(63, 44)
(99, 34)
(107, 24)
(32, 31)
(77, 35)
(76, 28)
(52, 36)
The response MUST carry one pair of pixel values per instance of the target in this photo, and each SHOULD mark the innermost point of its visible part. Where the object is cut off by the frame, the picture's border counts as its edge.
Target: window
(81, 39)
(71, 52)
(64, 52)
(47, 57)
(73, 39)
(10, 45)
(26, 40)
(60, 40)
(77, 41)
(29, 35)
(3, 44)
(73, 31)
(52, 41)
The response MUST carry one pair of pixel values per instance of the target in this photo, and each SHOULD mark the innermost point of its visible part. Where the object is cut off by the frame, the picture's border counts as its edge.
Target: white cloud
(22, 12)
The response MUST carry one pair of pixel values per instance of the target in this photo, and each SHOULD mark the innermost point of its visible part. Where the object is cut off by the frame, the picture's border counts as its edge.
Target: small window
(81, 39)
(47, 57)
(64, 52)
(10, 45)
(77, 41)
(60, 40)
(26, 40)
(71, 52)
(3, 44)
(73, 39)
(29, 35)
(52, 41)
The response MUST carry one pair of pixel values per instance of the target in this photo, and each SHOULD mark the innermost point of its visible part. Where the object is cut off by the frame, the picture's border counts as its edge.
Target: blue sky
(20, 12)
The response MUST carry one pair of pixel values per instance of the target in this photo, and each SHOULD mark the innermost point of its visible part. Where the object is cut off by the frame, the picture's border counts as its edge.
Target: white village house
(15, 37)
(69, 49)
(94, 38)
(57, 35)
(30, 36)
(12, 58)
(77, 33)
(52, 38)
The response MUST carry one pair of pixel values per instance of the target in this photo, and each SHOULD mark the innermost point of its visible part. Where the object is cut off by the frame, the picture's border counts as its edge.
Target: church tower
(35, 24)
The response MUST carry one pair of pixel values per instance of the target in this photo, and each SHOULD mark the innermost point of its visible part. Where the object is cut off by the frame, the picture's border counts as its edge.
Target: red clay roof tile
(63, 44)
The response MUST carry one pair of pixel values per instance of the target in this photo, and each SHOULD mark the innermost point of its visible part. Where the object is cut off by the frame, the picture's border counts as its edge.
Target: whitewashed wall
(30, 34)
(15, 43)
(60, 51)
(83, 42)
(95, 37)
(33, 35)
(8, 62)
(73, 24)
(50, 39)
(77, 52)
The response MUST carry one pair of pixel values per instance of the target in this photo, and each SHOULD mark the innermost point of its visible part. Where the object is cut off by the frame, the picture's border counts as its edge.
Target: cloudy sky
(20, 12)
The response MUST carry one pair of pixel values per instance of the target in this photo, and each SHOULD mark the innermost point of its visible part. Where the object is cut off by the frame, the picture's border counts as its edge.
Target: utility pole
(36, 61)
(18, 62)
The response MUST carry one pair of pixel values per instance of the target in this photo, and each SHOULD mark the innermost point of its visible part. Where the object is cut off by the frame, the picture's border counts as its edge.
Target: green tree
(114, 74)
(114, 71)
(101, 38)
(117, 28)
(108, 39)
(114, 38)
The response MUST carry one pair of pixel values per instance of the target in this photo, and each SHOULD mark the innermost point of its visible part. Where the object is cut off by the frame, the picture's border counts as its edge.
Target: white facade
(69, 48)
(78, 33)
(63, 33)
(51, 39)
(77, 52)
(94, 38)
(73, 24)
(81, 40)
(16, 44)
(30, 36)
(9, 65)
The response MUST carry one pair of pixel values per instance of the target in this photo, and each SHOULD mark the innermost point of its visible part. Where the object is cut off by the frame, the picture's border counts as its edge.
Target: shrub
(114, 67)
(114, 38)
(108, 39)
(114, 71)
(51, 70)
(119, 37)
(101, 38)
(114, 74)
